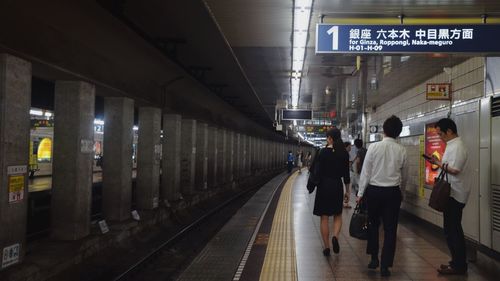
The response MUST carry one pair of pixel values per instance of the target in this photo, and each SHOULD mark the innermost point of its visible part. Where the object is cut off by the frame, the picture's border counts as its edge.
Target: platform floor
(293, 248)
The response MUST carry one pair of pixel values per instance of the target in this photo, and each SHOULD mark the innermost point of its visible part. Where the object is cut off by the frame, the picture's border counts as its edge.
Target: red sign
(436, 91)
(434, 146)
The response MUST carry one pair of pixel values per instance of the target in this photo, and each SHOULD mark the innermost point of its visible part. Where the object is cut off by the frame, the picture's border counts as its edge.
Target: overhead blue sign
(337, 38)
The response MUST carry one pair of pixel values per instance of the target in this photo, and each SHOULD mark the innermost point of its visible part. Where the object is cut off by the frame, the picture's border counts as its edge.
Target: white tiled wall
(413, 108)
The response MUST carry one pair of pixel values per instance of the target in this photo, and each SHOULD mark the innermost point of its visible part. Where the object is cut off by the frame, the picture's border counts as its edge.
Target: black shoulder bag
(314, 177)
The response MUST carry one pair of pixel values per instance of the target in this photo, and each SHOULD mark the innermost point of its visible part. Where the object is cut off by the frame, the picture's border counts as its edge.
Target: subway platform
(284, 243)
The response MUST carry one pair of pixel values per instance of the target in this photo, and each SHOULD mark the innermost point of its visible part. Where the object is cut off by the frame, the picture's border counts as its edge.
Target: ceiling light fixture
(301, 18)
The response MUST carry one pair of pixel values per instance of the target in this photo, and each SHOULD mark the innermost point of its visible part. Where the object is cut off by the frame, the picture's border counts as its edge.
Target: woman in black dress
(333, 165)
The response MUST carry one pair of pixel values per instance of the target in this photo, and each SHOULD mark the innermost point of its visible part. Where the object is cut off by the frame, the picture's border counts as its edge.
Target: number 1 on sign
(334, 31)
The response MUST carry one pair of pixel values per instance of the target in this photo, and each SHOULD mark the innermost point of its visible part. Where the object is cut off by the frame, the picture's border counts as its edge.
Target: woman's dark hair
(346, 144)
(393, 126)
(335, 134)
(445, 124)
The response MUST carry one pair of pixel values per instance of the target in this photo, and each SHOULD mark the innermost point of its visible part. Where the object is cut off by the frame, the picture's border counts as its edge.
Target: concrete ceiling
(260, 34)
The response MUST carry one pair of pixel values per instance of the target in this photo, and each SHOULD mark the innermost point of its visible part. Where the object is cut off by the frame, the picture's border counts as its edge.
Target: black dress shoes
(335, 245)
(326, 252)
(384, 272)
(373, 264)
(448, 270)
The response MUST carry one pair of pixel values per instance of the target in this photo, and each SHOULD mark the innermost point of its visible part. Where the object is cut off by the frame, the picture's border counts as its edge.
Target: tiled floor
(416, 258)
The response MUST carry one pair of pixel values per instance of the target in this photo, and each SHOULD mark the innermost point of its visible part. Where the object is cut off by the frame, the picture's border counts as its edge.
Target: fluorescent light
(48, 114)
(301, 19)
(98, 122)
(299, 39)
(135, 128)
(36, 112)
(303, 3)
(297, 65)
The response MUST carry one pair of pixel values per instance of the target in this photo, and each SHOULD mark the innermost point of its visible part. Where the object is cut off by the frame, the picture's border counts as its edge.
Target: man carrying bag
(454, 162)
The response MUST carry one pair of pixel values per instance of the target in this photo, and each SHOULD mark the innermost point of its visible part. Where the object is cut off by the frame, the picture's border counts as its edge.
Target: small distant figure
(357, 164)
(289, 162)
(308, 160)
(300, 161)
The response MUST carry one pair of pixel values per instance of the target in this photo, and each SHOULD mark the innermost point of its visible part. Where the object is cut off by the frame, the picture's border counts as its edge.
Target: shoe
(373, 264)
(326, 252)
(384, 272)
(335, 245)
(451, 271)
(444, 266)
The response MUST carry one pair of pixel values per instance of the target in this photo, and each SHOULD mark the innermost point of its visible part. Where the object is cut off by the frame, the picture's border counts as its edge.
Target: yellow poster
(421, 168)
(16, 188)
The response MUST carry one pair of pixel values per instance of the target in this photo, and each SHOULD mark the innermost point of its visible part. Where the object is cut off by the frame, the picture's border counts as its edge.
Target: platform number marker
(334, 32)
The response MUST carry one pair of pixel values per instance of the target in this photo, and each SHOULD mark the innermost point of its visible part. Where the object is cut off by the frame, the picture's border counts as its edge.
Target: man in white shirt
(454, 161)
(382, 177)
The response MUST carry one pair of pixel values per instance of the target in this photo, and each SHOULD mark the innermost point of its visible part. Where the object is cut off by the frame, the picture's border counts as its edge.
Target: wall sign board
(338, 38)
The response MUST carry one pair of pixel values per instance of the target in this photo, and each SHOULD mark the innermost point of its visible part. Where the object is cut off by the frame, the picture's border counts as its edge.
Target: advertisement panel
(435, 147)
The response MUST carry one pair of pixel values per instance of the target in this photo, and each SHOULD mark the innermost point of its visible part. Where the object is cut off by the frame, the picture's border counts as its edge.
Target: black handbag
(314, 177)
(358, 227)
(440, 191)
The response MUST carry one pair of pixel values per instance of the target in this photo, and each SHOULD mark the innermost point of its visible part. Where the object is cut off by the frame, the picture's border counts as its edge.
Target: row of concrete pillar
(194, 156)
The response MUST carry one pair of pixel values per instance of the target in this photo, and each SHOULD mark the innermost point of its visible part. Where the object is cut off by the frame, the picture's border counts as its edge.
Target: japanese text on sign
(404, 38)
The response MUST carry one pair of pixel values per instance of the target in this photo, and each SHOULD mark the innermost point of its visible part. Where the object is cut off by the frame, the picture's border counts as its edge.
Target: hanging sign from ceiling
(337, 38)
(296, 114)
(435, 91)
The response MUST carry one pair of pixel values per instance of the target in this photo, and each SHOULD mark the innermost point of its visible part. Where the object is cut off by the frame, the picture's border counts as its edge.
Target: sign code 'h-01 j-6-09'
(336, 38)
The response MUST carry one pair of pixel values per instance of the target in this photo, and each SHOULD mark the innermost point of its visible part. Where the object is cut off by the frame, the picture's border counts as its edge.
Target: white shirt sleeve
(404, 174)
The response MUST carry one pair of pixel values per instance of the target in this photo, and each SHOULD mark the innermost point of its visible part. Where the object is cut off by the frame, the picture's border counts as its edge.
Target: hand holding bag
(358, 227)
(440, 191)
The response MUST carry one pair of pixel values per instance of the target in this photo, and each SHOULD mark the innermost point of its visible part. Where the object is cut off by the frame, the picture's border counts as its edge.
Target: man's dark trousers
(383, 203)
(452, 225)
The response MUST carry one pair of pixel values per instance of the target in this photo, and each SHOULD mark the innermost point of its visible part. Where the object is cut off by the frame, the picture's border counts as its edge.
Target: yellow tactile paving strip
(280, 262)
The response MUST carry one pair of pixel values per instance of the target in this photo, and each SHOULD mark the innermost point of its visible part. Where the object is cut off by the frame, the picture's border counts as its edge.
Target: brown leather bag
(440, 191)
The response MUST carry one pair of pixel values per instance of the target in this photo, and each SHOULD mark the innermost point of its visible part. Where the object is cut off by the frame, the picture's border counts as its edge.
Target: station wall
(415, 111)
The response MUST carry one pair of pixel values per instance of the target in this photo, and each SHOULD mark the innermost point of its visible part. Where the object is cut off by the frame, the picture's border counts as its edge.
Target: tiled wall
(413, 108)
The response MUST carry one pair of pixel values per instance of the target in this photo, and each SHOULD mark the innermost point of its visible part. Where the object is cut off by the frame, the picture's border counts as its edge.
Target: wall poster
(434, 146)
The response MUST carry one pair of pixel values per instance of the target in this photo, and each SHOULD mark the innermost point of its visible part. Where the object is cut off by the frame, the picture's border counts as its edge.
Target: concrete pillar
(15, 101)
(222, 156)
(73, 159)
(188, 155)
(117, 158)
(243, 148)
(255, 165)
(148, 158)
(171, 158)
(212, 156)
(248, 165)
(230, 157)
(260, 153)
(201, 156)
(238, 153)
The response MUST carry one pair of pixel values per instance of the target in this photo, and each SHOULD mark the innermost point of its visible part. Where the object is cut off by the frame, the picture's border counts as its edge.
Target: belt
(376, 186)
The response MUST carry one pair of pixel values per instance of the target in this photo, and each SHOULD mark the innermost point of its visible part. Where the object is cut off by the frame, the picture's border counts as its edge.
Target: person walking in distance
(382, 178)
(455, 162)
(333, 163)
